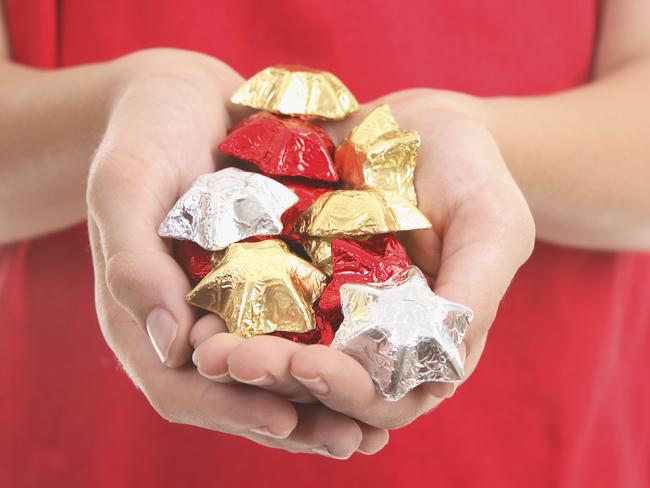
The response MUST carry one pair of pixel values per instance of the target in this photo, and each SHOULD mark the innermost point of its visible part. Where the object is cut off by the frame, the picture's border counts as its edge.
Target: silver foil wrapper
(226, 207)
(402, 333)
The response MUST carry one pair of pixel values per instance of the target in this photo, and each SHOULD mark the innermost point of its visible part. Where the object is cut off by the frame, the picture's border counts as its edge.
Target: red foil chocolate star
(371, 261)
(195, 261)
(282, 146)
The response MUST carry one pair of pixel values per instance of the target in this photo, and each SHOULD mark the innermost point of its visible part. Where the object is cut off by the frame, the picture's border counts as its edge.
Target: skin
(576, 160)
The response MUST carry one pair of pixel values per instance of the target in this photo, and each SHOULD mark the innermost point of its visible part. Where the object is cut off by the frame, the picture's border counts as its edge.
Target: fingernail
(266, 380)
(221, 378)
(324, 451)
(365, 453)
(316, 385)
(162, 330)
(442, 390)
(267, 433)
(370, 453)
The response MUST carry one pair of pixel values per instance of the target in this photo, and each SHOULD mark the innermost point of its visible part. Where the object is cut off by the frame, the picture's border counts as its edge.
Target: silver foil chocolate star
(402, 333)
(228, 206)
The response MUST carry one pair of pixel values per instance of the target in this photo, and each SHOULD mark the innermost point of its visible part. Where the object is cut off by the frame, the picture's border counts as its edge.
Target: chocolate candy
(351, 213)
(228, 206)
(378, 154)
(195, 261)
(307, 194)
(322, 334)
(320, 253)
(402, 332)
(298, 91)
(261, 287)
(282, 146)
(376, 259)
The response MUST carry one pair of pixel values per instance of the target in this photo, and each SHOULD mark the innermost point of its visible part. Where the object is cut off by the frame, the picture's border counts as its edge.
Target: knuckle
(121, 275)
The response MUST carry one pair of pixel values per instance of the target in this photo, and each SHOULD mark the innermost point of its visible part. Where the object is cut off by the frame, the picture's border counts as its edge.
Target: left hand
(482, 233)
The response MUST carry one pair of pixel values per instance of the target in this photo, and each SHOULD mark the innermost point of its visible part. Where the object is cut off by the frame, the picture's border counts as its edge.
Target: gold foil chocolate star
(261, 287)
(298, 91)
(320, 252)
(351, 213)
(377, 153)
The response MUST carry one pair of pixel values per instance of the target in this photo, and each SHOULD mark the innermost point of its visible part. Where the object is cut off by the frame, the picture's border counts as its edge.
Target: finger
(374, 439)
(182, 395)
(342, 384)
(206, 327)
(211, 357)
(322, 431)
(135, 178)
(483, 247)
(264, 361)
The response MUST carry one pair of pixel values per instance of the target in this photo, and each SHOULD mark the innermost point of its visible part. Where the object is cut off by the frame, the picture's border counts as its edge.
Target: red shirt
(561, 396)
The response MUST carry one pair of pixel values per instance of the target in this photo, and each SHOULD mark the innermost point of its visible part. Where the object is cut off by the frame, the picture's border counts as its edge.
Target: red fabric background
(561, 397)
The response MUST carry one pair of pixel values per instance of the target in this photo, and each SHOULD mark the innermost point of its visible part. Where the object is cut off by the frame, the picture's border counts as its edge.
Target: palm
(482, 232)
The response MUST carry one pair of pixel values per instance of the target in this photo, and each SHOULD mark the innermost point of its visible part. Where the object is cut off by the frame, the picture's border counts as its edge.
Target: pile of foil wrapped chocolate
(302, 243)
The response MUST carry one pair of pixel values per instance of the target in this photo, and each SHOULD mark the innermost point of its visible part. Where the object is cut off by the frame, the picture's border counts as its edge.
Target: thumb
(141, 274)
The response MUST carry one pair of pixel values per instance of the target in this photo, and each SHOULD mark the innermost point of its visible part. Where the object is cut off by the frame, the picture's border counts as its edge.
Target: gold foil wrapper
(351, 213)
(261, 287)
(320, 252)
(377, 153)
(297, 91)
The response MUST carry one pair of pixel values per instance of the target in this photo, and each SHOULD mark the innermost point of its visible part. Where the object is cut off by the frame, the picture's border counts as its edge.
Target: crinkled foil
(298, 91)
(307, 194)
(261, 287)
(350, 213)
(282, 146)
(320, 252)
(402, 333)
(373, 260)
(228, 206)
(377, 153)
(195, 261)
(322, 334)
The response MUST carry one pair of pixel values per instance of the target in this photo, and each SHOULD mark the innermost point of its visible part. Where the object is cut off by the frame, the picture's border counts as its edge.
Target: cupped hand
(482, 233)
(167, 114)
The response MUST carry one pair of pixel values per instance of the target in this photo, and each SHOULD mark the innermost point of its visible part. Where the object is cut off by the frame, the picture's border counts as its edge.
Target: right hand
(167, 115)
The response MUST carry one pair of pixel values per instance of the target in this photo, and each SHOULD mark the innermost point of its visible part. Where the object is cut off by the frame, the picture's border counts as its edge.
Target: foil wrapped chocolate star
(261, 287)
(373, 260)
(377, 153)
(195, 261)
(307, 194)
(228, 206)
(351, 213)
(320, 252)
(282, 146)
(322, 334)
(402, 333)
(297, 91)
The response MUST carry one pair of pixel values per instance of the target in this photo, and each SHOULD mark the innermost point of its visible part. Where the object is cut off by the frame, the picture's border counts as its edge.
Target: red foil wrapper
(282, 146)
(371, 261)
(195, 261)
(322, 334)
(307, 194)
